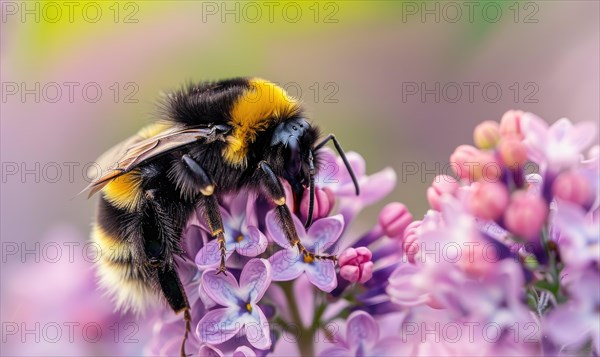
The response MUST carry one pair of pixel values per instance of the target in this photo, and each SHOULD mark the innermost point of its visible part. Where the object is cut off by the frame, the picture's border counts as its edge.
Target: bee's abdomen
(120, 268)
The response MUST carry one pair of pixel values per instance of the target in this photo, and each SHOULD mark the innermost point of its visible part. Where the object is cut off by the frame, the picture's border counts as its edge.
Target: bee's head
(291, 153)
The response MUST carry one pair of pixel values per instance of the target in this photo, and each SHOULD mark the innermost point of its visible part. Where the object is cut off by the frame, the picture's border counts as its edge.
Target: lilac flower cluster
(507, 262)
(504, 262)
(273, 298)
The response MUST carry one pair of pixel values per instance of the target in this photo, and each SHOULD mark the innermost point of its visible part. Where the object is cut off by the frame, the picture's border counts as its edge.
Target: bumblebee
(212, 138)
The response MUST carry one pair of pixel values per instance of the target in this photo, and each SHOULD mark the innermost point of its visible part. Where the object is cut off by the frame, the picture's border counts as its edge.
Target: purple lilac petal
(402, 289)
(244, 351)
(560, 129)
(578, 136)
(329, 171)
(222, 288)
(229, 220)
(210, 255)
(579, 241)
(587, 289)
(377, 186)
(321, 273)
(219, 325)
(255, 279)
(209, 351)
(566, 325)
(535, 130)
(324, 233)
(362, 339)
(256, 328)
(193, 240)
(334, 172)
(358, 164)
(503, 286)
(275, 231)
(372, 189)
(238, 208)
(251, 215)
(558, 146)
(362, 329)
(286, 264)
(208, 302)
(253, 244)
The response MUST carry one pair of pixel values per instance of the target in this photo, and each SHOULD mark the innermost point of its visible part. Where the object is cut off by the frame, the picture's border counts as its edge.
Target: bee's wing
(128, 154)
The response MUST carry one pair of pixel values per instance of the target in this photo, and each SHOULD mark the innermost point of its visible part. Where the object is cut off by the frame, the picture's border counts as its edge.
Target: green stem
(553, 267)
(317, 318)
(305, 337)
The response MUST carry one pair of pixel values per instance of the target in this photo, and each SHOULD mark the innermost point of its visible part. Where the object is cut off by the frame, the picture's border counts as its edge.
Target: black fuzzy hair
(203, 103)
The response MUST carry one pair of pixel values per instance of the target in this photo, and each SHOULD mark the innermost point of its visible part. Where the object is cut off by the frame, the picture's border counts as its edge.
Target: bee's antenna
(311, 201)
(340, 151)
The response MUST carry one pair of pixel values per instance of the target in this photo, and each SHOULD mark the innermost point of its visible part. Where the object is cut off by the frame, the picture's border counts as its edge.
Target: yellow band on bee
(124, 192)
(259, 107)
(111, 248)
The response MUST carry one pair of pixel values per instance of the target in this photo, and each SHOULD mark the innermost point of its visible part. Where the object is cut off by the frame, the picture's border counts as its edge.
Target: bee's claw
(187, 318)
(221, 269)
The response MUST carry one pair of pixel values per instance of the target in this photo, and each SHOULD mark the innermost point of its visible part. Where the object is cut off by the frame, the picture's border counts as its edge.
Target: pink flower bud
(485, 168)
(488, 200)
(572, 187)
(409, 242)
(512, 152)
(525, 214)
(510, 124)
(394, 218)
(441, 184)
(486, 135)
(356, 264)
(462, 160)
(324, 202)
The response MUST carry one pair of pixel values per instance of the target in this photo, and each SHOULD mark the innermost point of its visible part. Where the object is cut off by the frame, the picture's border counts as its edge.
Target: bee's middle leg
(276, 193)
(201, 181)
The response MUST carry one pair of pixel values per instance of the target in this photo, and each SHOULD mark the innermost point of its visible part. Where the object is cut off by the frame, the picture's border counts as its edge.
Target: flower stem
(554, 271)
(305, 345)
(317, 318)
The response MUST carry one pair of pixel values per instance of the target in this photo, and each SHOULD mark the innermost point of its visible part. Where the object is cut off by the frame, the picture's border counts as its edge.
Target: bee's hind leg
(175, 294)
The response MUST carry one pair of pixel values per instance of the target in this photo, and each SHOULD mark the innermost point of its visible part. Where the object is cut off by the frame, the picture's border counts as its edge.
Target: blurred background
(401, 82)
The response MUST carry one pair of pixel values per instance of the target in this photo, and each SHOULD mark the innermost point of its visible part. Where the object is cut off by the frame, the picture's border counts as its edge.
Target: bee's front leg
(191, 178)
(212, 214)
(275, 191)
